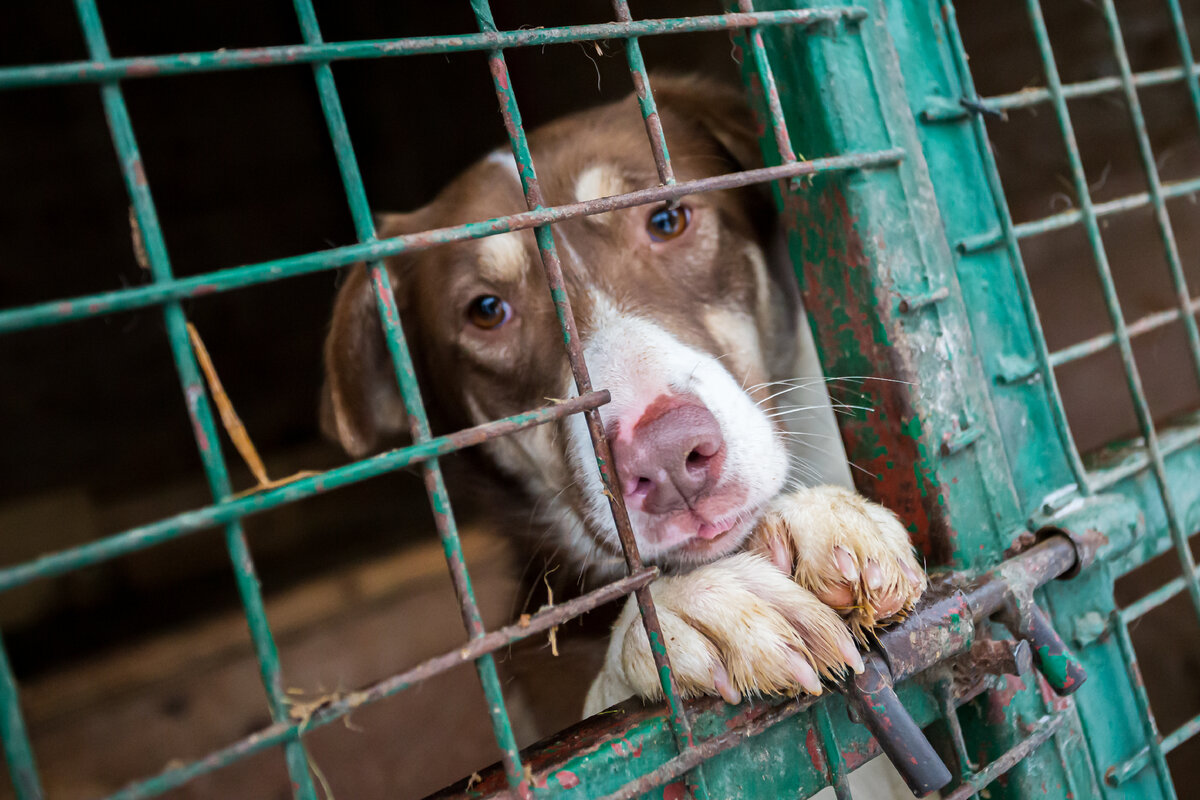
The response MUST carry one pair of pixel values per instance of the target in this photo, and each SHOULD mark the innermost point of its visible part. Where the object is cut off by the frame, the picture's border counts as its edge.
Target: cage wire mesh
(864, 50)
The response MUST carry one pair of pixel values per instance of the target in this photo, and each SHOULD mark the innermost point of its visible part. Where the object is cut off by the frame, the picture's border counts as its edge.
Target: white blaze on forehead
(504, 159)
(601, 180)
(502, 258)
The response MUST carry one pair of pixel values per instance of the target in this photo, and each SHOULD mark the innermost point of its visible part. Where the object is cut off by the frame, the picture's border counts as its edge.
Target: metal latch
(944, 625)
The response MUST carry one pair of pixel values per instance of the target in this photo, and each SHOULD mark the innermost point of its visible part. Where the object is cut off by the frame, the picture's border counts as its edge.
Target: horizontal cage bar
(222, 60)
(334, 710)
(134, 539)
(225, 280)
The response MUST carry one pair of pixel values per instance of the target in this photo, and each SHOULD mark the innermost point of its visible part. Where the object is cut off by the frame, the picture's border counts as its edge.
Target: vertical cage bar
(1186, 54)
(205, 430)
(18, 752)
(827, 747)
(1012, 246)
(766, 78)
(402, 363)
(645, 96)
(511, 114)
(1132, 377)
(1146, 152)
(1153, 740)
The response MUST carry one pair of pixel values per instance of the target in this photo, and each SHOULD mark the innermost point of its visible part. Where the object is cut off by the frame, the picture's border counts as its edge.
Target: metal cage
(911, 265)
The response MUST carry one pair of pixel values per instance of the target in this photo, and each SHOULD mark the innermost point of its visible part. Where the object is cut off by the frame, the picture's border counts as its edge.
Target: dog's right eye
(488, 311)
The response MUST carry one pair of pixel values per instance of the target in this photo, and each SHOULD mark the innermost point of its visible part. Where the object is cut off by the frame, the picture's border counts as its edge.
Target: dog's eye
(488, 311)
(667, 223)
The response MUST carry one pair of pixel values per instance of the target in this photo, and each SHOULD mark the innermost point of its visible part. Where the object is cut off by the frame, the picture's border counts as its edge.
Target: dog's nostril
(642, 487)
(696, 458)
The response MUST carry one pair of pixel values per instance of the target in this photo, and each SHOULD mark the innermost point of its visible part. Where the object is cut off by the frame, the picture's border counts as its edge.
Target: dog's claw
(729, 693)
(845, 563)
(805, 675)
(852, 554)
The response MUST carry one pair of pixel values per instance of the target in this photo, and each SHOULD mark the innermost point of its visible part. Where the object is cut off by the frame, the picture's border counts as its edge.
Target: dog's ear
(720, 109)
(360, 402)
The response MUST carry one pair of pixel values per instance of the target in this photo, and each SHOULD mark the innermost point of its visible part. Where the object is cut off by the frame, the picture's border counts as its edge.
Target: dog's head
(679, 315)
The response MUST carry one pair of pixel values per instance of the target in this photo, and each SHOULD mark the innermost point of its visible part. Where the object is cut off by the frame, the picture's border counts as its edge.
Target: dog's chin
(707, 542)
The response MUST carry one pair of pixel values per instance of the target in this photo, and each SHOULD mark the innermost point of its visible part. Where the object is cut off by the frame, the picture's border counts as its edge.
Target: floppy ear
(360, 402)
(718, 108)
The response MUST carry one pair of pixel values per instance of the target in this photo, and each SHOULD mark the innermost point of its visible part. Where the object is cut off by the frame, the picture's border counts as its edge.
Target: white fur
(638, 360)
(502, 258)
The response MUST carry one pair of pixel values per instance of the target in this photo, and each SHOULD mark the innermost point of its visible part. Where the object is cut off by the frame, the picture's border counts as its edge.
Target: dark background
(95, 435)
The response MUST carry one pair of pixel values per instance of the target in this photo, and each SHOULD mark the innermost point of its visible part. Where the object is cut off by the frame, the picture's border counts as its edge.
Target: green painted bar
(766, 79)
(1172, 740)
(1113, 303)
(18, 753)
(225, 280)
(1150, 168)
(220, 60)
(1028, 98)
(1103, 341)
(1157, 755)
(134, 539)
(406, 378)
(1041, 349)
(1055, 222)
(835, 760)
(200, 412)
(645, 96)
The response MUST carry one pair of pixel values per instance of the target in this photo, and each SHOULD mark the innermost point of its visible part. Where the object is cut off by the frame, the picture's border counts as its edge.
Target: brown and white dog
(683, 321)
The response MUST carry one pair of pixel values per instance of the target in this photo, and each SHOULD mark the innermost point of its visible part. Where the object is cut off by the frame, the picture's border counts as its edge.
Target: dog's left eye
(667, 223)
(488, 311)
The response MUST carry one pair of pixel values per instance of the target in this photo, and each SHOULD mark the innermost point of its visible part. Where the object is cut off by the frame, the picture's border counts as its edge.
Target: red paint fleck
(63, 308)
(567, 779)
(810, 744)
(675, 791)
(203, 289)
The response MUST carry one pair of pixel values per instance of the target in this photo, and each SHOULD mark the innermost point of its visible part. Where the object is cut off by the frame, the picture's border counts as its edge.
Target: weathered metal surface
(18, 753)
(552, 267)
(1042, 730)
(144, 536)
(940, 627)
(900, 737)
(196, 401)
(224, 280)
(258, 57)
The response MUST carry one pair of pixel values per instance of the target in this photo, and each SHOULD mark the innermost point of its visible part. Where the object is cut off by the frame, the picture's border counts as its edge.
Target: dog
(767, 587)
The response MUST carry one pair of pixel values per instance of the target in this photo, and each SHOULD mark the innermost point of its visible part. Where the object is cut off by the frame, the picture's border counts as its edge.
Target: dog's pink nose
(673, 457)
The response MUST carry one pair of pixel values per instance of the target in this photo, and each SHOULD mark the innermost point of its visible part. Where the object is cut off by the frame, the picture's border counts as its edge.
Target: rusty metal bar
(220, 513)
(1112, 301)
(827, 748)
(1065, 219)
(1036, 96)
(645, 96)
(574, 347)
(1157, 755)
(766, 79)
(338, 708)
(1041, 350)
(435, 487)
(74, 72)
(1150, 168)
(872, 695)
(209, 283)
(1103, 341)
(1043, 729)
(1144, 605)
(696, 755)
(1119, 773)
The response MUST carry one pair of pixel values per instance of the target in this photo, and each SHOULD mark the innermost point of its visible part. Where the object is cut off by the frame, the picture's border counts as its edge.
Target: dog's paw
(733, 628)
(851, 553)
